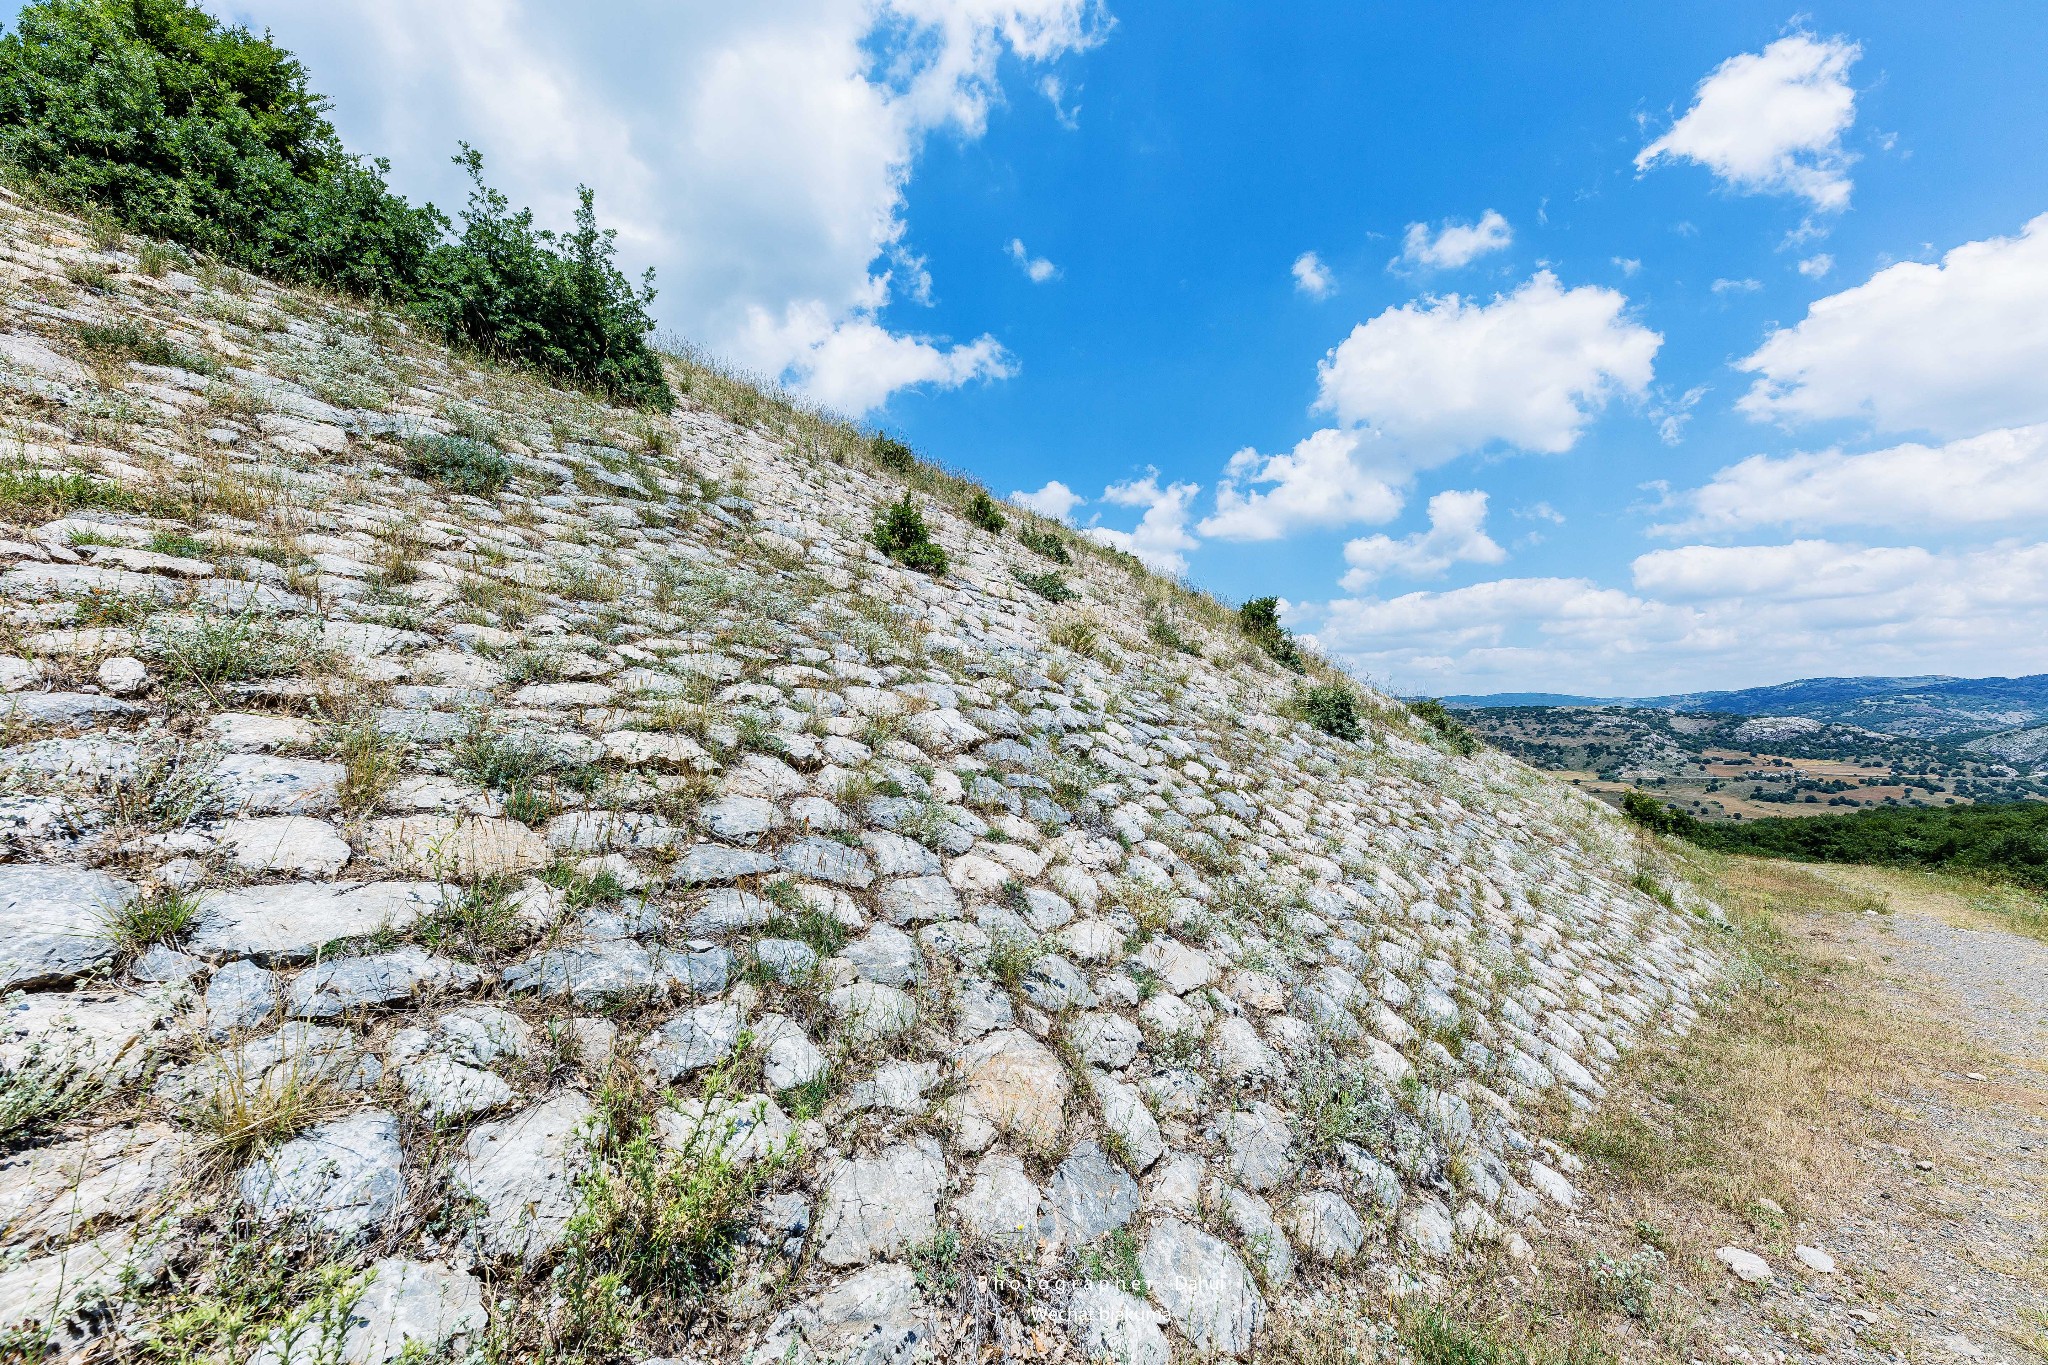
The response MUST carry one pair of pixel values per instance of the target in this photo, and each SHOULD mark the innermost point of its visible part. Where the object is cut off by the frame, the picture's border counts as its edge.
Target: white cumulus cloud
(1771, 122)
(1037, 268)
(1712, 616)
(1817, 265)
(1055, 500)
(1161, 536)
(1997, 478)
(1954, 348)
(1320, 483)
(758, 156)
(1456, 535)
(1312, 277)
(1530, 369)
(1454, 244)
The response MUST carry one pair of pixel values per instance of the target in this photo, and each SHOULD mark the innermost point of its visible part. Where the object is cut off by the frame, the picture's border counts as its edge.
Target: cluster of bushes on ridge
(176, 126)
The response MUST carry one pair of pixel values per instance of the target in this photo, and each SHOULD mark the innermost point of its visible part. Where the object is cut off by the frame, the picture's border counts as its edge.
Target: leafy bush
(1047, 543)
(466, 466)
(1331, 709)
(1652, 814)
(1259, 619)
(1048, 585)
(1438, 717)
(173, 125)
(901, 534)
(983, 512)
(892, 454)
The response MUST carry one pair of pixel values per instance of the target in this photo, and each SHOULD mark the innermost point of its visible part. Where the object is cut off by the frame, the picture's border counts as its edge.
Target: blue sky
(1728, 370)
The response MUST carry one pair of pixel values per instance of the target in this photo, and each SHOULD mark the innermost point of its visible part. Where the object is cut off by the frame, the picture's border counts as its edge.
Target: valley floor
(1875, 1088)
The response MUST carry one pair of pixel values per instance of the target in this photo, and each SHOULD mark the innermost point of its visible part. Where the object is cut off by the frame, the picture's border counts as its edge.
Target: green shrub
(176, 126)
(1332, 709)
(892, 454)
(1438, 718)
(1259, 619)
(2004, 840)
(901, 534)
(1652, 814)
(1166, 635)
(462, 464)
(1048, 585)
(983, 512)
(1047, 543)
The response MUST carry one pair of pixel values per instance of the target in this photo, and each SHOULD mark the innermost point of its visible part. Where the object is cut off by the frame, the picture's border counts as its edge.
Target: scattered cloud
(758, 156)
(1817, 265)
(1456, 535)
(1711, 616)
(1037, 268)
(1540, 511)
(1321, 483)
(854, 364)
(1628, 265)
(1055, 500)
(1312, 277)
(1055, 91)
(1161, 536)
(1954, 348)
(1771, 122)
(1454, 244)
(1737, 286)
(1998, 478)
(1671, 414)
(1530, 369)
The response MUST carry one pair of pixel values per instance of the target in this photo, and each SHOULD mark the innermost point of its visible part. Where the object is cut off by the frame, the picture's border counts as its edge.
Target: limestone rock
(459, 848)
(296, 845)
(1203, 1286)
(523, 1171)
(53, 922)
(879, 1205)
(1010, 1083)
(344, 1177)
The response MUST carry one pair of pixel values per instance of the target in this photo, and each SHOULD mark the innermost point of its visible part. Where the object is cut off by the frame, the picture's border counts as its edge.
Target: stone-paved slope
(626, 912)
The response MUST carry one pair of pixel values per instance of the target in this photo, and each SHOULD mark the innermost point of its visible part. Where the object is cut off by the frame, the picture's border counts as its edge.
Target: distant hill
(1930, 706)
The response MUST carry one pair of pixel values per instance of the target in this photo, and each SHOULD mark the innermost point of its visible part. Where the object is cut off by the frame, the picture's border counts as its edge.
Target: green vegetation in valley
(154, 115)
(2008, 841)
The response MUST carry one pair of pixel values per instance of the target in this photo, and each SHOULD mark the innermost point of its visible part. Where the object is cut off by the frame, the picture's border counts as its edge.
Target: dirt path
(1942, 1245)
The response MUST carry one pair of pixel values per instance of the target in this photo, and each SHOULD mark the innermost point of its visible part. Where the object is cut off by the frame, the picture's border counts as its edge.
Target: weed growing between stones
(160, 916)
(25, 489)
(1259, 619)
(242, 1111)
(121, 342)
(1048, 543)
(262, 1292)
(214, 651)
(45, 1088)
(458, 462)
(1048, 585)
(659, 1219)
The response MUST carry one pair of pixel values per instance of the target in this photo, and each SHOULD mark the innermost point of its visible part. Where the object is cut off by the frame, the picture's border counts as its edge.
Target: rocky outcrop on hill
(622, 886)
